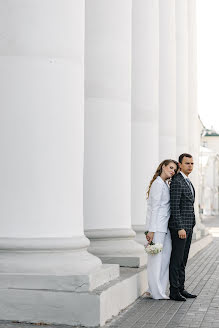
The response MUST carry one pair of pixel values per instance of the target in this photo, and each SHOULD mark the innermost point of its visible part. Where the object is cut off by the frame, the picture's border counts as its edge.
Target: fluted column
(182, 115)
(145, 105)
(167, 80)
(42, 242)
(107, 171)
(194, 137)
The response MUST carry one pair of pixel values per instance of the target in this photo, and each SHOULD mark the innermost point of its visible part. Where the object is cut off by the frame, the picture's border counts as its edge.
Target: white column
(194, 137)
(167, 82)
(42, 243)
(145, 105)
(107, 174)
(182, 129)
(192, 79)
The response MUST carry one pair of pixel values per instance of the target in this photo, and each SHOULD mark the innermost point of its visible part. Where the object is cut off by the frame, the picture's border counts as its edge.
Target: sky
(208, 62)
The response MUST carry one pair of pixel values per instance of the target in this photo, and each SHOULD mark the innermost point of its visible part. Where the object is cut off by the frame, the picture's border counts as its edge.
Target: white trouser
(158, 266)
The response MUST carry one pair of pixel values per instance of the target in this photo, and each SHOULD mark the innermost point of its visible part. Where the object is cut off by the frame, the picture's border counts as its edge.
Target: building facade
(94, 95)
(209, 172)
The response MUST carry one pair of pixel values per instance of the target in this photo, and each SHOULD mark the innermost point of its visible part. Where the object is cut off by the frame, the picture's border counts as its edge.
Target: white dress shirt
(158, 206)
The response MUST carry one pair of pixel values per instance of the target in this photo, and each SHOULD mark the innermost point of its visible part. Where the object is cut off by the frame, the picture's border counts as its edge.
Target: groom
(181, 223)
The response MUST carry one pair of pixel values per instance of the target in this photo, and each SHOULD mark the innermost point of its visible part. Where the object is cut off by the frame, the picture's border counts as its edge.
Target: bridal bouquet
(153, 248)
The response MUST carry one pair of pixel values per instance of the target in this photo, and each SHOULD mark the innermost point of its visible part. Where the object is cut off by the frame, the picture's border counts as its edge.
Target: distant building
(209, 172)
(210, 139)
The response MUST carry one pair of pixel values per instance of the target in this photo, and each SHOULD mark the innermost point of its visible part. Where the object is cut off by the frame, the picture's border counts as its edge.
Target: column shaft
(107, 177)
(145, 105)
(182, 115)
(167, 80)
(194, 136)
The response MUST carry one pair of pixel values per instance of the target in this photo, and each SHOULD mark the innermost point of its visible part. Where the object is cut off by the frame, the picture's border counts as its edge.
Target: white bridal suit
(158, 213)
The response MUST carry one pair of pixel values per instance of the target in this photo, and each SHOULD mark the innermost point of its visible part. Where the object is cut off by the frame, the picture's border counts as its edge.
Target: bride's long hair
(159, 171)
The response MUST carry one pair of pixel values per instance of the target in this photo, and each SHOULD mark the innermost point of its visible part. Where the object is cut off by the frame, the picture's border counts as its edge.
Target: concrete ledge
(133, 283)
(199, 245)
(84, 308)
(72, 308)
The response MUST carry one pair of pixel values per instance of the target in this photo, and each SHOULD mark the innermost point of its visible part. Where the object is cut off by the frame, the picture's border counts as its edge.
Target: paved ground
(202, 278)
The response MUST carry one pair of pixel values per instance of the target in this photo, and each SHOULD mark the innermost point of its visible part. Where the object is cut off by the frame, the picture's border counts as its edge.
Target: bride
(158, 213)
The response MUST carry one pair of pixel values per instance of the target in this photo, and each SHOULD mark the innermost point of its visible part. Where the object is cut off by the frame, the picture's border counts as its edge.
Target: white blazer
(158, 206)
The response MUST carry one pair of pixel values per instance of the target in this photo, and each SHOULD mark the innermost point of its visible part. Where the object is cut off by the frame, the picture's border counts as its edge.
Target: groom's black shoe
(186, 294)
(177, 297)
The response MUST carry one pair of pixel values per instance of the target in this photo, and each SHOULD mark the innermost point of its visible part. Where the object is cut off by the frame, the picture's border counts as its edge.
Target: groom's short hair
(184, 155)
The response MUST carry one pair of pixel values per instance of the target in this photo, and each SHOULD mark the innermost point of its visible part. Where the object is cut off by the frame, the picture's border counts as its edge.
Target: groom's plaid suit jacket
(182, 214)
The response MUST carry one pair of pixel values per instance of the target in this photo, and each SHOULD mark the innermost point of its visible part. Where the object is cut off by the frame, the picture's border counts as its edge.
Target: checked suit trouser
(178, 260)
(182, 194)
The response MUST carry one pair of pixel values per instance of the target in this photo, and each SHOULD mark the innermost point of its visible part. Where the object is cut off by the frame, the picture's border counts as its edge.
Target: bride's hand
(150, 236)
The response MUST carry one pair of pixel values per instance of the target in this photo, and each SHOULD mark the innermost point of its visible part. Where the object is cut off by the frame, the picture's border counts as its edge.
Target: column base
(61, 264)
(117, 246)
(140, 236)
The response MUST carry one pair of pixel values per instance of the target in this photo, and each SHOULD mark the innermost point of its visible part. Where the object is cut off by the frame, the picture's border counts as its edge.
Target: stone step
(58, 282)
(74, 308)
(77, 307)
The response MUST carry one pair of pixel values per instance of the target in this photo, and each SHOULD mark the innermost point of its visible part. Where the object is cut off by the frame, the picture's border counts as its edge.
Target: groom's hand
(182, 234)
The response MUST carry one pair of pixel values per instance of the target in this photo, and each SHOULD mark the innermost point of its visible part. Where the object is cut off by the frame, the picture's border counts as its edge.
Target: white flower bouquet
(152, 248)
